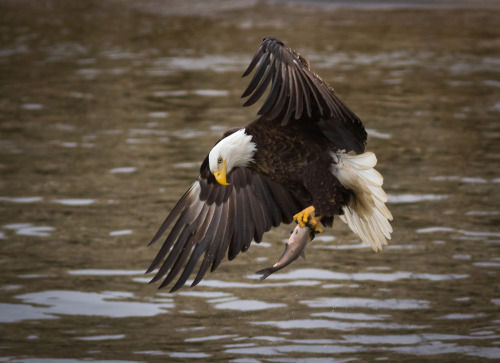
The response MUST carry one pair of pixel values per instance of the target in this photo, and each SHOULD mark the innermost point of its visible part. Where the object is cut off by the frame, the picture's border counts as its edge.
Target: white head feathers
(236, 150)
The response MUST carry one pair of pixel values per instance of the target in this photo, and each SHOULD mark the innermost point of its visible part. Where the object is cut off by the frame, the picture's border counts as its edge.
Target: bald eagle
(303, 159)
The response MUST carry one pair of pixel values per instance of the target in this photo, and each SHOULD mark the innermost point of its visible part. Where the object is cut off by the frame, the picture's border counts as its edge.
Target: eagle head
(233, 151)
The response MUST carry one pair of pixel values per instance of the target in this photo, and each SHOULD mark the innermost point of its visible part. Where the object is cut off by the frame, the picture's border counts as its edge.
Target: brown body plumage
(299, 158)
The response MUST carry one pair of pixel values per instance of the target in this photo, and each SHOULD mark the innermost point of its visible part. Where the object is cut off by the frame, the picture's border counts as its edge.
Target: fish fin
(265, 273)
(303, 255)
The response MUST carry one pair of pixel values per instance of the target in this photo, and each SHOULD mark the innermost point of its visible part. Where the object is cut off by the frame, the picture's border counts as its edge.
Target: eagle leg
(306, 217)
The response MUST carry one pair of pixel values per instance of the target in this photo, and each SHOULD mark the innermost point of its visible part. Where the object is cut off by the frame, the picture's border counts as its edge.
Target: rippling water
(107, 109)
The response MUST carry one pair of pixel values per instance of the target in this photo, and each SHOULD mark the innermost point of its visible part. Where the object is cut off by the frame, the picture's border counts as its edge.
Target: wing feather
(168, 242)
(179, 207)
(212, 220)
(302, 84)
(206, 233)
(274, 92)
(267, 204)
(249, 222)
(279, 103)
(257, 78)
(285, 204)
(298, 93)
(258, 216)
(195, 256)
(239, 232)
(254, 61)
(173, 254)
(213, 244)
(298, 96)
(228, 235)
(187, 246)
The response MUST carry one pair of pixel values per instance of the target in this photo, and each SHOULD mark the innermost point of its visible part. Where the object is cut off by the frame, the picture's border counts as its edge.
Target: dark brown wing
(297, 92)
(211, 219)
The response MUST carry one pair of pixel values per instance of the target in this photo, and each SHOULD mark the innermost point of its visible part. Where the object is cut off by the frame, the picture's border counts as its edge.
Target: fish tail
(265, 273)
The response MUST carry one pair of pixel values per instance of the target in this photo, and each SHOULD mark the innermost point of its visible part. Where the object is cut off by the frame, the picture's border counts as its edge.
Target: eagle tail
(366, 213)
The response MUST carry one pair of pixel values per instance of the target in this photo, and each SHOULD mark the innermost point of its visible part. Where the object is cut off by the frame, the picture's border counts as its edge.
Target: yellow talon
(306, 217)
(315, 225)
(302, 217)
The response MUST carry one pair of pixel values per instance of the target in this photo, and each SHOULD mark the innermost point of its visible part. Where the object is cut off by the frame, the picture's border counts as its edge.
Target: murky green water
(106, 111)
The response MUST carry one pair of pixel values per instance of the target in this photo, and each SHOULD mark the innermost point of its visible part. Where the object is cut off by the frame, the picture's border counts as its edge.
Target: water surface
(106, 111)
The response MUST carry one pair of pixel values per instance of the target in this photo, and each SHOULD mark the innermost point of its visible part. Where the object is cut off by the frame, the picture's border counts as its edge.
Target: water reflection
(32, 106)
(361, 276)
(92, 272)
(122, 232)
(21, 199)
(205, 294)
(337, 325)
(367, 303)
(353, 316)
(75, 202)
(245, 305)
(10, 313)
(10, 287)
(418, 344)
(458, 178)
(27, 229)
(218, 64)
(189, 355)
(280, 350)
(482, 213)
(125, 169)
(62, 302)
(487, 264)
(229, 284)
(186, 165)
(152, 352)
(462, 234)
(434, 348)
(210, 337)
(62, 360)
(459, 316)
(101, 337)
(158, 114)
(414, 198)
(378, 134)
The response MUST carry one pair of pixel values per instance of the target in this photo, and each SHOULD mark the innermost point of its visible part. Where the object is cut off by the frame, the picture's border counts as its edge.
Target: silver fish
(293, 249)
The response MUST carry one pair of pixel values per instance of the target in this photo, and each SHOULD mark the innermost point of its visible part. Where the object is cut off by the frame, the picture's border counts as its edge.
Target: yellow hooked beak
(220, 175)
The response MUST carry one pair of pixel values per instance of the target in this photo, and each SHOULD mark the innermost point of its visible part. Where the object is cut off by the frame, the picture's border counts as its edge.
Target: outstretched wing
(298, 93)
(211, 219)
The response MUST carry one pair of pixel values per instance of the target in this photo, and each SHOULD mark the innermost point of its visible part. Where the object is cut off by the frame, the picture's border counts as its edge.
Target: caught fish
(293, 249)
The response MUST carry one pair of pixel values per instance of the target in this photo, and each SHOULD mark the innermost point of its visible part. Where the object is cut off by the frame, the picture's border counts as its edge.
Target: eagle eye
(219, 160)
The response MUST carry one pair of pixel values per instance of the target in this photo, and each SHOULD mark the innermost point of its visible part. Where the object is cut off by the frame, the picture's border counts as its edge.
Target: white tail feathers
(366, 213)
